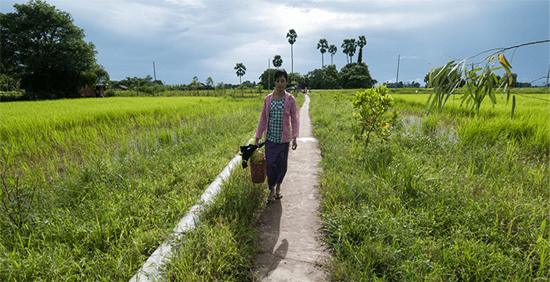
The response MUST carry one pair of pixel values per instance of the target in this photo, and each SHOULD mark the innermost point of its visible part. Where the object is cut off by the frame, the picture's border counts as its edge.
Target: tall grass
(429, 207)
(224, 243)
(115, 175)
(530, 126)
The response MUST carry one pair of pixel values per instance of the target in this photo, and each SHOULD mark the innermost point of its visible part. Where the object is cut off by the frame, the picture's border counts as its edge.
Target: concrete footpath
(289, 230)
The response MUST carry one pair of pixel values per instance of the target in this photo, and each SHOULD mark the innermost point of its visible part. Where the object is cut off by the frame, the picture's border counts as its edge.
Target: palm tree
(210, 83)
(241, 70)
(196, 84)
(323, 45)
(332, 50)
(361, 43)
(291, 35)
(350, 46)
(352, 49)
(345, 49)
(277, 61)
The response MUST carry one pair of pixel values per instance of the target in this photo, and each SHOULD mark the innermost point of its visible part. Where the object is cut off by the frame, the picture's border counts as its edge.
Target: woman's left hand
(294, 144)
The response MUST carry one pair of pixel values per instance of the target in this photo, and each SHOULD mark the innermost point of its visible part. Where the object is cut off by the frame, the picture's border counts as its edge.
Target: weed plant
(425, 206)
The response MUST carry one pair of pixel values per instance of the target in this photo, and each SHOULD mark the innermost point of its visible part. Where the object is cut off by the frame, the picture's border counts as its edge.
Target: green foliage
(361, 43)
(322, 46)
(478, 82)
(291, 35)
(240, 70)
(296, 79)
(42, 47)
(222, 247)
(277, 61)
(325, 78)
(337, 98)
(373, 115)
(349, 47)
(16, 194)
(267, 80)
(115, 175)
(355, 75)
(429, 207)
(332, 49)
(134, 82)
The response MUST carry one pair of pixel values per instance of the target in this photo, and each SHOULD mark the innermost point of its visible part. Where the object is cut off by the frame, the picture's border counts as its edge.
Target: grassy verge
(429, 207)
(109, 191)
(224, 243)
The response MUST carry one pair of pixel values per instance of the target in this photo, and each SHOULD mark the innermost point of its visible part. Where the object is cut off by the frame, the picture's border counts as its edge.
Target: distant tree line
(43, 52)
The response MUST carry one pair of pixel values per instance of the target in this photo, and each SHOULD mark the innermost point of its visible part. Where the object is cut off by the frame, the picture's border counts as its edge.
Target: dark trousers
(276, 156)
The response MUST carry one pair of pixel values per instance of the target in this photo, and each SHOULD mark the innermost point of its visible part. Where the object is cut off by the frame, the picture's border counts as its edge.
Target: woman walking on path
(279, 112)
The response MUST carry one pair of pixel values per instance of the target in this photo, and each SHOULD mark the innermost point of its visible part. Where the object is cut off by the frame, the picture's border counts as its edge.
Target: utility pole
(154, 71)
(397, 79)
(268, 75)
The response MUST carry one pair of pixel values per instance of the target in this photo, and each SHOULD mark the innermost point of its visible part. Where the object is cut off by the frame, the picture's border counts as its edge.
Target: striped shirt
(275, 126)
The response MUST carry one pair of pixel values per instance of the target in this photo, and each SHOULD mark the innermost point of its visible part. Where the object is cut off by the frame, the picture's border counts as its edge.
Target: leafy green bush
(373, 115)
(110, 93)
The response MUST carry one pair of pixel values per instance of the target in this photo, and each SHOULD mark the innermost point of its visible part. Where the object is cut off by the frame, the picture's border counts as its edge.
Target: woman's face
(280, 83)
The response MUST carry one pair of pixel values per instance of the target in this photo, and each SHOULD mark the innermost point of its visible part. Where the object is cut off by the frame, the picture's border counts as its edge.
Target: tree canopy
(44, 49)
(361, 43)
(356, 75)
(277, 61)
(332, 49)
(240, 70)
(266, 79)
(322, 46)
(325, 78)
(349, 47)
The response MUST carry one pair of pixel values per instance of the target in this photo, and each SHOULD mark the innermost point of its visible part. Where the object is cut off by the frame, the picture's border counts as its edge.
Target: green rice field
(452, 196)
(93, 186)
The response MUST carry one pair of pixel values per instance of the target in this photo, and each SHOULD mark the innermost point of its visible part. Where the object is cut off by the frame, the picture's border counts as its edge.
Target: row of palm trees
(349, 48)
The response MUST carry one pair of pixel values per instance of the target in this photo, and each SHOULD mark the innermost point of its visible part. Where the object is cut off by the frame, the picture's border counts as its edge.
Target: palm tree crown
(361, 43)
(323, 45)
(291, 35)
(241, 70)
(332, 50)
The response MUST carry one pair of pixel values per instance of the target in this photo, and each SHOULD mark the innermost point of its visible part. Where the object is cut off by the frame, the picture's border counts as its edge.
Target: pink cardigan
(290, 115)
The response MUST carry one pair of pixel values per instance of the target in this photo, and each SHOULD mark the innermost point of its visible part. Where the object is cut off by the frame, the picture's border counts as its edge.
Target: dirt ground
(290, 228)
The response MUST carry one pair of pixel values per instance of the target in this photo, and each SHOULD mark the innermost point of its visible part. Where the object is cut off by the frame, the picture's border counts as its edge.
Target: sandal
(279, 196)
(270, 199)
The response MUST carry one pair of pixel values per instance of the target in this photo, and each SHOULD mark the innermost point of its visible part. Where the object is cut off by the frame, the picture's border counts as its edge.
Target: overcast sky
(187, 38)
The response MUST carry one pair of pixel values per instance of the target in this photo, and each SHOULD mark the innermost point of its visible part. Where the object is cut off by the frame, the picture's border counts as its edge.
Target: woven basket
(258, 172)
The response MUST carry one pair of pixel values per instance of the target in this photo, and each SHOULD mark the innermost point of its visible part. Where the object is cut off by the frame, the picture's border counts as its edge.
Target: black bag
(246, 152)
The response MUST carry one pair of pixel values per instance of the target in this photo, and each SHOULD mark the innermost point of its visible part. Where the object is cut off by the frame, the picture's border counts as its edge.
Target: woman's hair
(278, 73)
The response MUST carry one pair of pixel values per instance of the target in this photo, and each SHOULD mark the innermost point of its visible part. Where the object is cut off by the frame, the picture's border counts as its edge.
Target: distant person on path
(279, 112)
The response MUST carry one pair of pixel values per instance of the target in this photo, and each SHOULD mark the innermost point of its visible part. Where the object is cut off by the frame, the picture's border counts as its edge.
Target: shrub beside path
(289, 228)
